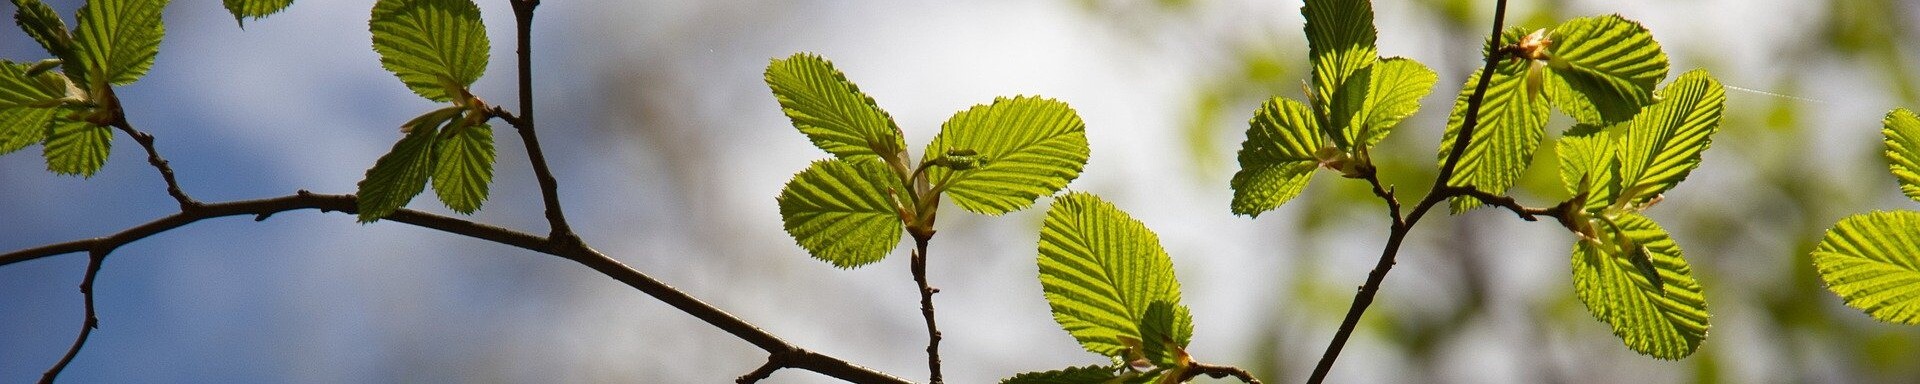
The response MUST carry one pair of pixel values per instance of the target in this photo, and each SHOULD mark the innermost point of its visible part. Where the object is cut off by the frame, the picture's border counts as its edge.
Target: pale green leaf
(1024, 148)
(116, 40)
(434, 46)
(402, 173)
(1902, 131)
(19, 90)
(1664, 142)
(1340, 42)
(463, 166)
(1588, 161)
(256, 9)
(1277, 158)
(832, 111)
(1511, 124)
(77, 148)
(843, 211)
(21, 127)
(1092, 374)
(1603, 69)
(1165, 331)
(45, 26)
(1396, 86)
(1100, 270)
(1667, 322)
(1873, 262)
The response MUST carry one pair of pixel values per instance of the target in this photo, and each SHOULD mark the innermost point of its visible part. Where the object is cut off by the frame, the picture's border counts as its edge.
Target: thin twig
(159, 163)
(92, 321)
(926, 305)
(1218, 372)
(1402, 225)
(578, 252)
(1502, 201)
(549, 187)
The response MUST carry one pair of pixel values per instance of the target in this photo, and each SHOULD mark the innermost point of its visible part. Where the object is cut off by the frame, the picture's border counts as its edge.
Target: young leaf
(20, 127)
(843, 212)
(1340, 41)
(1511, 124)
(1664, 142)
(434, 46)
(77, 148)
(1603, 68)
(1873, 262)
(17, 90)
(1667, 321)
(403, 172)
(1165, 331)
(832, 111)
(1025, 147)
(45, 26)
(1277, 158)
(1903, 149)
(1092, 374)
(1100, 270)
(1587, 163)
(243, 9)
(463, 166)
(1397, 84)
(116, 40)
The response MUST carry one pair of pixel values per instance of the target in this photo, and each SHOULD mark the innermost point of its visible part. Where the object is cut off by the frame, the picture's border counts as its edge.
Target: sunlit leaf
(1668, 321)
(1902, 131)
(118, 39)
(434, 46)
(1511, 124)
(21, 127)
(832, 111)
(1165, 331)
(1664, 142)
(19, 90)
(841, 212)
(1024, 148)
(1873, 262)
(1277, 158)
(1101, 269)
(1092, 374)
(77, 148)
(45, 26)
(402, 173)
(1588, 161)
(463, 166)
(1340, 42)
(1396, 86)
(243, 9)
(1603, 68)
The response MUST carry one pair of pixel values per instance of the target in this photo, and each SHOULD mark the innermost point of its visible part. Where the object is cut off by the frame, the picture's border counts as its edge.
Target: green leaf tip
(1872, 262)
(1665, 318)
(1602, 69)
(1664, 142)
(1033, 147)
(117, 40)
(1277, 158)
(256, 9)
(436, 47)
(45, 26)
(1340, 43)
(832, 111)
(844, 211)
(1902, 131)
(1101, 270)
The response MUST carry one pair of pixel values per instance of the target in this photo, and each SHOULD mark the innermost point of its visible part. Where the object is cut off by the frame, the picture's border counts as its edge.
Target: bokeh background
(669, 149)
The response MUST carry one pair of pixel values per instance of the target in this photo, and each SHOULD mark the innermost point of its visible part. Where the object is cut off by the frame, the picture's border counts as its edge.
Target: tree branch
(926, 305)
(576, 251)
(153, 158)
(1401, 226)
(1197, 369)
(549, 187)
(87, 325)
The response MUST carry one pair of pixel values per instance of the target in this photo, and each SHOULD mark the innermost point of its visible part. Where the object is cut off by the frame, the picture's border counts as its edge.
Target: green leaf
(1873, 262)
(19, 90)
(1100, 270)
(20, 127)
(832, 111)
(843, 211)
(1397, 84)
(45, 26)
(1903, 149)
(403, 172)
(1664, 142)
(1025, 147)
(77, 148)
(1277, 158)
(1340, 41)
(1604, 68)
(437, 47)
(1588, 160)
(1668, 321)
(243, 9)
(116, 40)
(1511, 125)
(1076, 375)
(1165, 331)
(463, 166)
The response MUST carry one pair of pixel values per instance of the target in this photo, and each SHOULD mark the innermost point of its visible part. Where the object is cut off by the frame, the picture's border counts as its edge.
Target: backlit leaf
(1511, 124)
(1902, 131)
(1025, 147)
(840, 211)
(832, 111)
(45, 26)
(118, 39)
(402, 173)
(77, 148)
(21, 127)
(1873, 262)
(1397, 84)
(1100, 270)
(1277, 158)
(1664, 142)
(463, 167)
(434, 46)
(1603, 68)
(1666, 322)
(243, 9)
(1340, 42)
